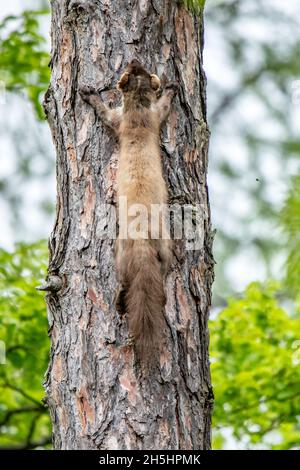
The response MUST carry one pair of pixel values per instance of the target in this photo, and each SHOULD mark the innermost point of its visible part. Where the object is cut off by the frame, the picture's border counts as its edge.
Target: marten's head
(137, 85)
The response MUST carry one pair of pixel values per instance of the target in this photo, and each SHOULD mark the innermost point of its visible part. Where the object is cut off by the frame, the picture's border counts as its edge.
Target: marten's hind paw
(120, 301)
(130, 341)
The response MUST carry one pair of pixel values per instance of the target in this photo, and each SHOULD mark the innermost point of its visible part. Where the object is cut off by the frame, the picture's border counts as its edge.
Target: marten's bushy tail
(144, 297)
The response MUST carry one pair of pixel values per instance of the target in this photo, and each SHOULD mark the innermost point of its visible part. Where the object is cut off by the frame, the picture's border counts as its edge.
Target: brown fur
(142, 264)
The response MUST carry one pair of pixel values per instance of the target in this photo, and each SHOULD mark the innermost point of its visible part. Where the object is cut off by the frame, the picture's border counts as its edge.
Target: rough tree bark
(97, 396)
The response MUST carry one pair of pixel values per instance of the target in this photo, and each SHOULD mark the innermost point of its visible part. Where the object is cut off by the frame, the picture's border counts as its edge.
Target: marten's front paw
(86, 92)
(172, 87)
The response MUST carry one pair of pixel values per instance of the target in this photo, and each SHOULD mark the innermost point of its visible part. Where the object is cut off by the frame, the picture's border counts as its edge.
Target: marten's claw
(86, 92)
(130, 341)
(172, 86)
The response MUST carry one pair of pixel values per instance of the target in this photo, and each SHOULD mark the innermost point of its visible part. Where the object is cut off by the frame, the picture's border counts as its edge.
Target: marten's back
(139, 176)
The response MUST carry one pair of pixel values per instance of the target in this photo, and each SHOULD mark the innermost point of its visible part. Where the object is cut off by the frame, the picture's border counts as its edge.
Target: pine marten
(142, 262)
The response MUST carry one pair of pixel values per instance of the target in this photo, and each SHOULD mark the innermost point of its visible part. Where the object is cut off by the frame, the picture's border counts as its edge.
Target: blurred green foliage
(253, 50)
(255, 354)
(26, 146)
(24, 421)
(23, 58)
(290, 220)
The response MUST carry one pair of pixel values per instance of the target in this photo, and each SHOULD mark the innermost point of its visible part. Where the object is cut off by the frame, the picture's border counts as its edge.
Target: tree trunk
(97, 396)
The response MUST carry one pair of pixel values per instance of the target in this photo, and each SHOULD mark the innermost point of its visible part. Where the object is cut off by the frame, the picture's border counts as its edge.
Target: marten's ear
(123, 81)
(154, 81)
